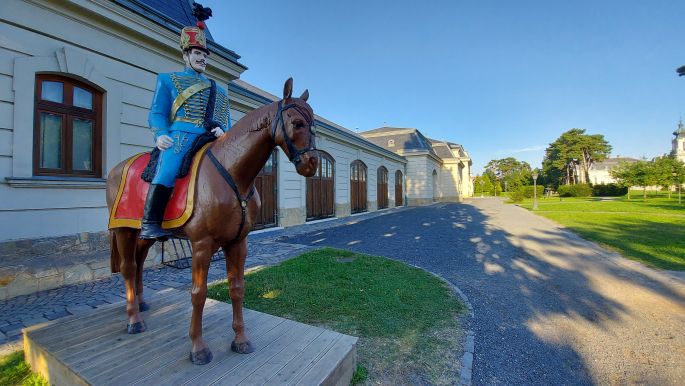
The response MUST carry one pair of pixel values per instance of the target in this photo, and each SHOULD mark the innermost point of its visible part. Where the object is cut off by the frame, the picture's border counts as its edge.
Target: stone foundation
(419, 201)
(343, 210)
(291, 216)
(28, 266)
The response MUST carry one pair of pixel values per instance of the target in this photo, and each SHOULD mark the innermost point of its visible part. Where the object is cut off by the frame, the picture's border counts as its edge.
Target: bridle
(294, 154)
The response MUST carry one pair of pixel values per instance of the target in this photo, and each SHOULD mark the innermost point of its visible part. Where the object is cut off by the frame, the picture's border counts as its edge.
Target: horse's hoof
(142, 307)
(201, 357)
(136, 328)
(242, 348)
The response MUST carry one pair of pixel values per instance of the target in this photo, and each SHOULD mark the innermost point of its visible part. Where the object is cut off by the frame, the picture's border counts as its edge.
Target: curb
(466, 372)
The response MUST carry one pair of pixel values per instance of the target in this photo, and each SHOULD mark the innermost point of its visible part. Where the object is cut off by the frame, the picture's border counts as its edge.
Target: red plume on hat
(194, 37)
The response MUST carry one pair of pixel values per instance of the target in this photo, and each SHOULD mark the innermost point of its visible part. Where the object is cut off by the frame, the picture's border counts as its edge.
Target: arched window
(67, 138)
(358, 187)
(382, 187)
(320, 189)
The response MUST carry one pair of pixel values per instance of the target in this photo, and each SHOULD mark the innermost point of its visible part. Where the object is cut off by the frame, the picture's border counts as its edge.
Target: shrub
(609, 190)
(578, 190)
(527, 191)
(517, 195)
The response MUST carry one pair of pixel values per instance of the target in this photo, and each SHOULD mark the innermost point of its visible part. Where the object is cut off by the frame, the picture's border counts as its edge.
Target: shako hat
(194, 36)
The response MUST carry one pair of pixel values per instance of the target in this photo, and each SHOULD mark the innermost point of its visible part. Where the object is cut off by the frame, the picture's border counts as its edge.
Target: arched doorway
(358, 174)
(382, 187)
(435, 186)
(320, 194)
(265, 183)
(398, 189)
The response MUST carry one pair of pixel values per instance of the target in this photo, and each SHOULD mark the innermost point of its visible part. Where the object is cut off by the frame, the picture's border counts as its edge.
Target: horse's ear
(305, 95)
(288, 89)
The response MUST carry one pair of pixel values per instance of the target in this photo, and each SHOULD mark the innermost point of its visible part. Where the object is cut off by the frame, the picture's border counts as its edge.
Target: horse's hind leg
(126, 240)
(200, 353)
(142, 248)
(235, 268)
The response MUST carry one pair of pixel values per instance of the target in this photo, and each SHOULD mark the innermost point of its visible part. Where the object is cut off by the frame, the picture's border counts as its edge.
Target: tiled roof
(403, 139)
(611, 163)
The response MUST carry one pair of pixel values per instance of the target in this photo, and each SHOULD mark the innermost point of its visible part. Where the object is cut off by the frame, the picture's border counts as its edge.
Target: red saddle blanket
(128, 207)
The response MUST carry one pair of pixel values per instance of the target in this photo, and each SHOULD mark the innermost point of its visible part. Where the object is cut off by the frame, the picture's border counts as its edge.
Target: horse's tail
(114, 258)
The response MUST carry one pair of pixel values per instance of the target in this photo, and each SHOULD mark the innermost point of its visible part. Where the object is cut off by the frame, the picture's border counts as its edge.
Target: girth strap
(229, 180)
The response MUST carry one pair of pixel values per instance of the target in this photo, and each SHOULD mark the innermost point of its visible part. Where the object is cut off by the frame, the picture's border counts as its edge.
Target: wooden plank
(107, 345)
(152, 343)
(340, 357)
(173, 362)
(312, 353)
(276, 363)
(237, 374)
(57, 332)
(103, 326)
(232, 360)
(45, 364)
(286, 351)
(174, 349)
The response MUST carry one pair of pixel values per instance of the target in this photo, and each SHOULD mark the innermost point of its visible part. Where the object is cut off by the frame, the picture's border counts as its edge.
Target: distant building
(599, 171)
(436, 170)
(678, 143)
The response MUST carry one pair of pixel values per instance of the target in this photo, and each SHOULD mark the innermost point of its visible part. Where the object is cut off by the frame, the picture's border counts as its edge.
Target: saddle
(127, 210)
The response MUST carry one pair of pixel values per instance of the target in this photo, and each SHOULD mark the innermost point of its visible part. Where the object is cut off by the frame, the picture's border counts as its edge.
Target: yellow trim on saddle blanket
(123, 222)
(174, 223)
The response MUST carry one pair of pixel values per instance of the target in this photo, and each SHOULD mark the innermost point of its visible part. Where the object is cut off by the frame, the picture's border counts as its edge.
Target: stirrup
(153, 231)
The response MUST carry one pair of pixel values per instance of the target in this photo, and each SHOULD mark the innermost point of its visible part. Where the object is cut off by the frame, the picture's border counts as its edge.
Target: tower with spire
(678, 143)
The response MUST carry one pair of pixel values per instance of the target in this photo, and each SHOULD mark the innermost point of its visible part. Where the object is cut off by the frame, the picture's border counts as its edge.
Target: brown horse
(220, 218)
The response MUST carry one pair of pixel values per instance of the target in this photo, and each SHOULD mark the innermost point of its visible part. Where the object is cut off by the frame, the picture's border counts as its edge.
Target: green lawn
(649, 231)
(14, 371)
(405, 318)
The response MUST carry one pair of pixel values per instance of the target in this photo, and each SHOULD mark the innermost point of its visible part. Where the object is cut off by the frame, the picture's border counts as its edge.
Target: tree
(513, 172)
(572, 154)
(640, 173)
(669, 172)
(479, 188)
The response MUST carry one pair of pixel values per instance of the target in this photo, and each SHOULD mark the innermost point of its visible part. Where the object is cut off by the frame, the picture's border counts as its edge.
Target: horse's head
(293, 131)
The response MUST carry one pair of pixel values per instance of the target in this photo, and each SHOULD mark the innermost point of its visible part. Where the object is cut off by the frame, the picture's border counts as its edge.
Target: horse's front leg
(142, 249)
(235, 269)
(200, 353)
(126, 240)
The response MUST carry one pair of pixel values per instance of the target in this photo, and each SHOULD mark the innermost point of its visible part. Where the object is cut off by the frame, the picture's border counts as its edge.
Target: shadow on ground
(510, 290)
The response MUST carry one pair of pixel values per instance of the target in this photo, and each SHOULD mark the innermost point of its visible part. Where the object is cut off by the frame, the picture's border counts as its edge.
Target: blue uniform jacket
(190, 116)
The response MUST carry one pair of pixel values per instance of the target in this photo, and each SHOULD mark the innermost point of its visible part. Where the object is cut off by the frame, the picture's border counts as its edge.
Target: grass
(405, 318)
(649, 231)
(15, 371)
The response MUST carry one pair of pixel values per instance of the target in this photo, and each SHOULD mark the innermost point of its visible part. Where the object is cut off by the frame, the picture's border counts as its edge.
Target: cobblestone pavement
(549, 307)
(263, 249)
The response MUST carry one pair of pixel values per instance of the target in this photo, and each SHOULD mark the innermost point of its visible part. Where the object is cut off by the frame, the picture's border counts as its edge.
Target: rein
(229, 180)
(295, 153)
(294, 157)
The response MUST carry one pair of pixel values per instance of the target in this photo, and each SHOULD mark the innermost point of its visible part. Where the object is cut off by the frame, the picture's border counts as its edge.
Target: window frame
(69, 112)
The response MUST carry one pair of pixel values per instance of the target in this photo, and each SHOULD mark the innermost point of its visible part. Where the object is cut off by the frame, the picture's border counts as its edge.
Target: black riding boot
(155, 204)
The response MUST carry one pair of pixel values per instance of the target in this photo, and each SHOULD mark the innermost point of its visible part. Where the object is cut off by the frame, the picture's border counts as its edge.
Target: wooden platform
(94, 349)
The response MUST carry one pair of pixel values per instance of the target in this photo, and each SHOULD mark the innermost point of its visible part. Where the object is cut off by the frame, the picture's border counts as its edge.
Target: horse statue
(225, 207)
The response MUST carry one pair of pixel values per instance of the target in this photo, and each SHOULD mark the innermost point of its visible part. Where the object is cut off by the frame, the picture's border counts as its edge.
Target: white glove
(164, 142)
(217, 132)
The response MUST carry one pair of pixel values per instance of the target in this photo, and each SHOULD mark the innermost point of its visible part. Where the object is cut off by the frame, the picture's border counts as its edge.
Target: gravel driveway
(550, 308)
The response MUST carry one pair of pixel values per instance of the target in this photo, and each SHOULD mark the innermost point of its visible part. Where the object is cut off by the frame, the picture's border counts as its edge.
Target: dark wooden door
(398, 189)
(358, 186)
(382, 187)
(320, 194)
(266, 187)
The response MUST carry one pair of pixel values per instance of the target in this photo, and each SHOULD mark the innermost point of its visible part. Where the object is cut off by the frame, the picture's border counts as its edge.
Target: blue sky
(503, 78)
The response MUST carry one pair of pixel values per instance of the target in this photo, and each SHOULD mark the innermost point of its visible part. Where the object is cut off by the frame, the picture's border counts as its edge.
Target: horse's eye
(298, 124)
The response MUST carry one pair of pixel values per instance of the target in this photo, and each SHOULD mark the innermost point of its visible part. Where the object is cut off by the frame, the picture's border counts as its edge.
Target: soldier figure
(185, 105)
